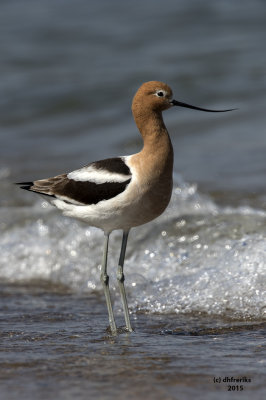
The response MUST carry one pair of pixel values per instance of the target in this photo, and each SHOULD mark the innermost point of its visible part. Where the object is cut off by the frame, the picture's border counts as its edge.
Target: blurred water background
(195, 276)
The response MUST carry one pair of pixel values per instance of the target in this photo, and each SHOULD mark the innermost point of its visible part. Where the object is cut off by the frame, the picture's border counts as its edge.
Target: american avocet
(122, 192)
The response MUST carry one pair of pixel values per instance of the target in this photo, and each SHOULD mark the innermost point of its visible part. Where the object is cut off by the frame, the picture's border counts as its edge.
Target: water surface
(195, 277)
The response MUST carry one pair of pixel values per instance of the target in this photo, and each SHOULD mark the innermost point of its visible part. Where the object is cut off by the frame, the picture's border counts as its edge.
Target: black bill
(181, 104)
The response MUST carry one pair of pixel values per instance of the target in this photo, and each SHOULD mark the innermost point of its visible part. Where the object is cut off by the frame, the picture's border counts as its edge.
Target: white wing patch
(95, 175)
(69, 200)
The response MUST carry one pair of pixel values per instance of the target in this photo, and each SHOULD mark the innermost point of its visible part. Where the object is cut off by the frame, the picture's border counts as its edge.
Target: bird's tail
(25, 185)
(31, 187)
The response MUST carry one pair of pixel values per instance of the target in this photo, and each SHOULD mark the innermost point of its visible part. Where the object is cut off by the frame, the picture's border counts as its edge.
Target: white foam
(226, 277)
(197, 257)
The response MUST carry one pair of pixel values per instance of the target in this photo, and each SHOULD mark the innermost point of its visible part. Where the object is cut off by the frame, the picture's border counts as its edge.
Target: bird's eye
(160, 93)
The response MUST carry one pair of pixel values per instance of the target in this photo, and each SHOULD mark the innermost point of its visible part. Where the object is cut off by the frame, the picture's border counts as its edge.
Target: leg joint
(105, 279)
(120, 275)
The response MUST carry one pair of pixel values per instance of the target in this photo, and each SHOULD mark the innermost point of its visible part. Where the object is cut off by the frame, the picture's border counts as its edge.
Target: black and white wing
(100, 180)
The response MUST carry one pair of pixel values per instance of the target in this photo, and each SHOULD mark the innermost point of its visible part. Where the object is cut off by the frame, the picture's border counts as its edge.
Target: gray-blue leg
(121, 279)
(105, 283)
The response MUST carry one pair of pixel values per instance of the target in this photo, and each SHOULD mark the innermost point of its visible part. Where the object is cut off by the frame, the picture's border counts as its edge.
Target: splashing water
(196, 258)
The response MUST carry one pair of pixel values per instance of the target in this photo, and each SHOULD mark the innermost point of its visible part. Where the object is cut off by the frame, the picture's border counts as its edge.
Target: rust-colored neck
(157, 151)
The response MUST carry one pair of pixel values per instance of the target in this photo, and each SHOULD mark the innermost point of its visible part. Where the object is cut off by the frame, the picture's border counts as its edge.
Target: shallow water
(196, 288)
(195, 277)
(54, 343)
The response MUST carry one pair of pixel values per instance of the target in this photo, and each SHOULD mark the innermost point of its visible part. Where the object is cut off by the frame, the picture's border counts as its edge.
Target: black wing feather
(89, 192)
(115, 165)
